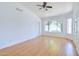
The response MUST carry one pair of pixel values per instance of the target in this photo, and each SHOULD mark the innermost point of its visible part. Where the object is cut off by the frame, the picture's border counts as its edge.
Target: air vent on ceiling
(18, 9)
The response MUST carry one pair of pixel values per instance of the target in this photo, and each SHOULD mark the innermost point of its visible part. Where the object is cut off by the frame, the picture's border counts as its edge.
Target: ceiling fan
(44, 6)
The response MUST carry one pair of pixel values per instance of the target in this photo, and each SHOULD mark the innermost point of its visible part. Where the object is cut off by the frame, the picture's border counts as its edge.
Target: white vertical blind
(69, 26)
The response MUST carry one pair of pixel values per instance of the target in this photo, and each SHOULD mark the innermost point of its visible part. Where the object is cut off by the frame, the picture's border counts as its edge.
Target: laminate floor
(42, 46)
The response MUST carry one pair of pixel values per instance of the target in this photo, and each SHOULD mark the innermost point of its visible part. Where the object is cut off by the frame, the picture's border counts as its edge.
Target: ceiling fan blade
(49, 6)
(39, 5)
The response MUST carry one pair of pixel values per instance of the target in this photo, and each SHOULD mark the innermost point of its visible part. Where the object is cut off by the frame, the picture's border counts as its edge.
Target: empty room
(39, 28)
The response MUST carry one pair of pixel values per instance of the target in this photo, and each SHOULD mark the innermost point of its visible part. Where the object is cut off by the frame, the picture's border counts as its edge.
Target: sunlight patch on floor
(53, 47)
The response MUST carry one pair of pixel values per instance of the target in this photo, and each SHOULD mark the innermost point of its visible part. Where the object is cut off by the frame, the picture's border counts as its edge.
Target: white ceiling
(58, 8)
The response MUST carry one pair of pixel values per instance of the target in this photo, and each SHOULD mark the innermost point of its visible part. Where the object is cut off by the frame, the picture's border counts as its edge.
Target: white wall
(17, 26)
(76, 24)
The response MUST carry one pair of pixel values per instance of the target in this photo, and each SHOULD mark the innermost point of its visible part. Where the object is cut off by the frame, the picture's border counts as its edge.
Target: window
(69, 26)
(53, 26)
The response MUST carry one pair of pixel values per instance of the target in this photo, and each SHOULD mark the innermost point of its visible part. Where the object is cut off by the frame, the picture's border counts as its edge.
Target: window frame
(61, 27)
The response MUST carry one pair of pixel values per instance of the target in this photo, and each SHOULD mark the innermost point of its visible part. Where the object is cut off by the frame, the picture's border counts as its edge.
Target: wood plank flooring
(42, 46)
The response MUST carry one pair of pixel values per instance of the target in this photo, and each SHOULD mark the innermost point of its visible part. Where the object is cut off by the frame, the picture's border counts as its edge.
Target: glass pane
(53, 26)
(46, 27)
(59, 27)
